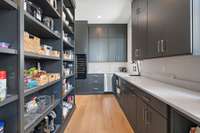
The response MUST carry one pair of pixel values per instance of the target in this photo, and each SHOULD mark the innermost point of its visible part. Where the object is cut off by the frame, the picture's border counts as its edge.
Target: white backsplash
(105, 67)
(182, 71)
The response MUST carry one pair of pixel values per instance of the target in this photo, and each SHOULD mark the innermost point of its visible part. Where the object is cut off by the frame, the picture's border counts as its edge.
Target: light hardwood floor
(98, 114)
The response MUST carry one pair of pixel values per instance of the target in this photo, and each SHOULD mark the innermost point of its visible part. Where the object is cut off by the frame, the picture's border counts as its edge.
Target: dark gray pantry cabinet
(161, 28)
(107, 42)
(147, 114)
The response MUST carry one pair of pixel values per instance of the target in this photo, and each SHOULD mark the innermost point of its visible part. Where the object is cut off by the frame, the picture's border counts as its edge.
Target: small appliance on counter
(136, 69)
(122, 69)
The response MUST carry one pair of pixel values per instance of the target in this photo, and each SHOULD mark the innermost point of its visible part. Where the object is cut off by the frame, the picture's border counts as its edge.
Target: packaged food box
(55, 53)
(31, 43)
(42, 80)
(53, 76)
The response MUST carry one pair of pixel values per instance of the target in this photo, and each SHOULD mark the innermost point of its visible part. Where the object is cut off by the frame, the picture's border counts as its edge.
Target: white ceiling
(111, 11)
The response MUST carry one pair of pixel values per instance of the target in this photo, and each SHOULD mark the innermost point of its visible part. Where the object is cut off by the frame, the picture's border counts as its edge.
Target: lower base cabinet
(155, 122)
(140, 113)
(132, 112)
(146, 114)
(141, 116)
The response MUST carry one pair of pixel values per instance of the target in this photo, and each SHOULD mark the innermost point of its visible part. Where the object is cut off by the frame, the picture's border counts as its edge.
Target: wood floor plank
(98, 114)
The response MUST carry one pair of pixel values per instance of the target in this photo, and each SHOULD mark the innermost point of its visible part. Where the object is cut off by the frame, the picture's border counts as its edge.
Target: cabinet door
(117, 42)
(134, 28)
(98, 44)
(156, 123)
(139, 23)
(155, 27)
(141, 117)
(132, 109)
(176, 15)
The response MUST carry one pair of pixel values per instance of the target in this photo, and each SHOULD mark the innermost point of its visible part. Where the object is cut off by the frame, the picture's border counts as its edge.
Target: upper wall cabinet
(107, 42)
(117, 40)
(139, 29)
(98, 51)
(161, 29)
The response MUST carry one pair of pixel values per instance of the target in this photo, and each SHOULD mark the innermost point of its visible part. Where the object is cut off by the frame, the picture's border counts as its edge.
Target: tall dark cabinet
(161, 28)
(81, 37)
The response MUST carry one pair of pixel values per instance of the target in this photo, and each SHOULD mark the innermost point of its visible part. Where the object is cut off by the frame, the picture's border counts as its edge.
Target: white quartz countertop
(182, 99)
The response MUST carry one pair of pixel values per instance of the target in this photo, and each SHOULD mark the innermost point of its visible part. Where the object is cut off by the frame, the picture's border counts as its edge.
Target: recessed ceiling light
(99, 16)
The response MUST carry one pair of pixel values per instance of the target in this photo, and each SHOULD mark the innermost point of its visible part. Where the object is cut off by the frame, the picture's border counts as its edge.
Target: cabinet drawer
(156, 104)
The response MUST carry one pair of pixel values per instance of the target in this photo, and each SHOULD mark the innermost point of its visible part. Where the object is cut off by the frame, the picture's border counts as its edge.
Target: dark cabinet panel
(176, 33)
(81, 37)
(139, 29)
(141, 116)
(155, 27)
(94, 83)
(107, 43)
(155, 122)
(132, 109)
(167, 35)
(98, 51)
(179, 123)
(117, 50)
(98, 31)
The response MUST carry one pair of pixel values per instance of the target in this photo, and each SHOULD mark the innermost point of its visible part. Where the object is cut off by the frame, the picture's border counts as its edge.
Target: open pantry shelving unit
(15, 60)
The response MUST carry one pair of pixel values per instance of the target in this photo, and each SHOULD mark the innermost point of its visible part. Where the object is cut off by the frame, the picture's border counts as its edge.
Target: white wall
(183, 71)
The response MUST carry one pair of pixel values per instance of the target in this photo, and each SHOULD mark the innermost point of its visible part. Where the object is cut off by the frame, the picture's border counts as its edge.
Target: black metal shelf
(16, 21)
(9, 99)
(48, 10)
(33, 90)
(37, 28)
(69, 3)
(69, 76)
(8, 51)
(67, 119)
(39, 118)
(67, 29)
(68, 15)
(68, 60)
(67, 44)
(37, 56)
(8, 4)
(68, 92)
